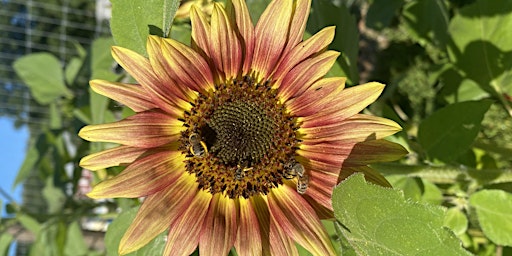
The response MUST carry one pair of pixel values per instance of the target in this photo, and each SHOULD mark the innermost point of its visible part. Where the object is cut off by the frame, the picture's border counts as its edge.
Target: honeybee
(240, 172)
(197, 147)
(302, 184)
(293, 169)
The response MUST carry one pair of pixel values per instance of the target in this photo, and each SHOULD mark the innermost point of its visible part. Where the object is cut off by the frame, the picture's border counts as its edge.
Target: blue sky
(13, 144)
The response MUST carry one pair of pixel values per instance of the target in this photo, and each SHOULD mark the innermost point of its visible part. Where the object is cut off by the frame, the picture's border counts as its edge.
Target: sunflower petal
(122, 155)
(315, 98)
(318, 42)
(350, 102)
(200, 31)
(271, 33)
(140, 68)
(187, 66)
(280, 242)
(161, 208)
(225, 47)
(260, 207)
(219, 228)
(374, 151)
(246, 30)
(298, 22)
(248, 240)
(184, 233)
(370, 175)
(147, 129)
(145, 176)
(357, 128)
(297, 218)
(133, 96)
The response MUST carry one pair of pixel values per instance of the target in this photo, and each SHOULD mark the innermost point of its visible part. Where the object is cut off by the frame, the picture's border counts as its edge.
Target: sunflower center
(240, 140)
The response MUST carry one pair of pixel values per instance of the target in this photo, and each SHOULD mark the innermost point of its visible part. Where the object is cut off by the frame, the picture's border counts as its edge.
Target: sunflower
(237, 140)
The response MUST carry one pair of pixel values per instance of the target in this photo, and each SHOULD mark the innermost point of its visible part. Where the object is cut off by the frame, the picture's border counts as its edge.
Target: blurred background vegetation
(447, 65)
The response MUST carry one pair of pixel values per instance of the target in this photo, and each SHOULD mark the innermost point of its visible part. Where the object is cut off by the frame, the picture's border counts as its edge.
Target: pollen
(239, 139)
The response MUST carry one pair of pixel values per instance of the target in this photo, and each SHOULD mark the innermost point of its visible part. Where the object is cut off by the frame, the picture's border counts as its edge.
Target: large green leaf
(75, 243)
(132, 21)
(381, 13)
(346, 40)
(482, 46)
(494, 212)
(101, 60)
(5, 243)
(380, 221)
(450, 131)
(117, 229)
(427, 21)
(42, 73)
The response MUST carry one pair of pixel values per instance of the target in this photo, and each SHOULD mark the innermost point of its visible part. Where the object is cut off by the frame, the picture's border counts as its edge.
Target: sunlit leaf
(29, 223)
(456, 221)
(494, 212)
(450, 131)
(42, 73)
(5, 243)
(427, 21)
(75, 243)
(380, 221)
(132, 21)
(54, 196)
(36, 150)
(102, 62)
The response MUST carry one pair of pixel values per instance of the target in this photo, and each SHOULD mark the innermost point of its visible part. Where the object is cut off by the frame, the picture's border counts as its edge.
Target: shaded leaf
(36, 150)
(53, 196)
(29, 223)
(42, 73)
(379, 221)
(494, 212)
(102, 62)
(132, 21)
(75, 243)
(381, 13)
(450, 131)
(427, 21)
(456, 221)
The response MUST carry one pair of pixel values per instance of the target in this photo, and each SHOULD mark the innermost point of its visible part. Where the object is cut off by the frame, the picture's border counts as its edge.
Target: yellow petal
(248, 240)
(122, 155)
(219, 228)
(132, 95)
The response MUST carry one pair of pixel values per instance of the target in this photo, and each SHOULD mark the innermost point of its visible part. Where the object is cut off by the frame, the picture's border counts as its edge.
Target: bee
(240, 172)
(293, 169)
(197, 147)
(302, 184)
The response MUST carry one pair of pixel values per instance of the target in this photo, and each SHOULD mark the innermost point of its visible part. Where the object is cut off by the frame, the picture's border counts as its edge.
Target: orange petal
(119, 156)
(133, 96)
(357, 128)
(147, 129)
(298, 22)
(374, 151)
(187, 66)
(218, 233)
(157, 211)
(271, 34)
(297, 218)
(160, 67)
(248, 240)
(301, 77)
(350, 102)
(304, 50)
(246, 30)
(280, 242)
(225, 49)
(317, 97)
(140, 68)
(260, 207)
(200, 31)
(146, 176)
(321, 185)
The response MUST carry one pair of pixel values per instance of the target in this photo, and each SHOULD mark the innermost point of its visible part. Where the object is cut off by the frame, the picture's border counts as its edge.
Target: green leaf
(75, 243)
(36, 150)
(132, 21)
(494, 212)
(101, 59)
(117, 229)
(346, 39)
(450, 131)
(55, 116)
(72, 69)
(42, 73)
(256, 8)
(381, 13)
(5, 243)
(456, 220)
(29, 223)
(481, 45)
(379, 221)
(54, 197)
(427, 21)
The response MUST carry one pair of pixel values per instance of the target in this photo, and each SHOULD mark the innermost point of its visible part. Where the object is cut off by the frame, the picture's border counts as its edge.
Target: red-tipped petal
(140, 68)
(261, 210)
(350, 102)
(200, 31)
(298, 22)
(218, 234)
(184, 233)
(300, 78)
(317, 97)
(280, 242)
(147, 129)
(246, 29)
(248, 240)
(271, 34)
(226, 51)
(188, 67)
(119, 156)
(297, 218)
(145, 176)
(161, 208)
(133, 96)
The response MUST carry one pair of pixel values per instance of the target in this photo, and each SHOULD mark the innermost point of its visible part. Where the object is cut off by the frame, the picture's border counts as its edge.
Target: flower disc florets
(244, 139)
